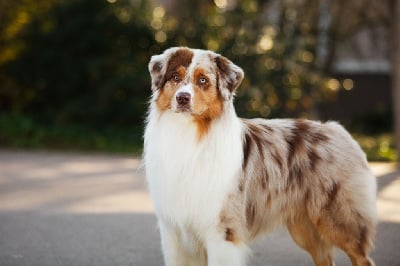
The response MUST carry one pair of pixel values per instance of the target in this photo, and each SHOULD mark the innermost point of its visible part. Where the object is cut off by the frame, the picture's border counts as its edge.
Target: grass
(24, 133)
(19, 132)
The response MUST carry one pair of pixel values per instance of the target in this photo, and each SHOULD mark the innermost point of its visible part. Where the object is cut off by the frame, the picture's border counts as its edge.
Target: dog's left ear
(156, 69)
(229, 76)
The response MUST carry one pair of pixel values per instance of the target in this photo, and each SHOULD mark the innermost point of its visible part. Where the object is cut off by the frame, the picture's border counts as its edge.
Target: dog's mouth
(183, 109)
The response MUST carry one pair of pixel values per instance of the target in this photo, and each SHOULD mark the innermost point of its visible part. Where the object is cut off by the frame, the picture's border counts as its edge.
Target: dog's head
(193, 81)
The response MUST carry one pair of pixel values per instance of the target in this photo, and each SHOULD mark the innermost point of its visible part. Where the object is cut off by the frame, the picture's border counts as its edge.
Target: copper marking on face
(181, 71)
(201, 79)
(207, 102)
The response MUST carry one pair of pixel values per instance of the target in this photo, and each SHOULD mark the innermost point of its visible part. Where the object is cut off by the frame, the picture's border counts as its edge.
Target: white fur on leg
(221, 253)
(177, 249)
(171, 247)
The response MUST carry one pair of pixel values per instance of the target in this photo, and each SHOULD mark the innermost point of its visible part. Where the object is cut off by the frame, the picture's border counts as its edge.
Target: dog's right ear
(157, 71)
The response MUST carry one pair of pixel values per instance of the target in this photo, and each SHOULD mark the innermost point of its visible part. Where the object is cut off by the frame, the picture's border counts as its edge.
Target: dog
(218, 181)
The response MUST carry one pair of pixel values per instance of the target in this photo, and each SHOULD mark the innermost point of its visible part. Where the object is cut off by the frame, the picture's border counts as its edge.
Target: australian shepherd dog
(218, 181)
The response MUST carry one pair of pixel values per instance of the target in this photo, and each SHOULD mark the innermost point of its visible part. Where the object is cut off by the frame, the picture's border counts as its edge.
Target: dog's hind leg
(307, 237)
(348, 220)
(353, 238)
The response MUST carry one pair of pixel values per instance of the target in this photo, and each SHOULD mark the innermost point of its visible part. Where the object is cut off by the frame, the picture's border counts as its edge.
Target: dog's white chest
(188, 179)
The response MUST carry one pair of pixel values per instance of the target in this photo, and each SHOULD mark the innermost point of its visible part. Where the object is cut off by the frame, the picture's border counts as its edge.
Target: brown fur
(164, 99)
(181, 58)
(207, 103)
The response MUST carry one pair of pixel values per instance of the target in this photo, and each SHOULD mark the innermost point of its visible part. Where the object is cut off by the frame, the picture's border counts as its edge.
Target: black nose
(183, 98)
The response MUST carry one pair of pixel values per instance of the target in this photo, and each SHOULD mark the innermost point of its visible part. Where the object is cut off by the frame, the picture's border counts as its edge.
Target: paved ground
(75, 209)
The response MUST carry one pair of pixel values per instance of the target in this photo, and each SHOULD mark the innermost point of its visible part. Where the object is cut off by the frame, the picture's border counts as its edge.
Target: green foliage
(82, 62)
(378, 147)
(86, 61)
(74, 72)
(22, 132)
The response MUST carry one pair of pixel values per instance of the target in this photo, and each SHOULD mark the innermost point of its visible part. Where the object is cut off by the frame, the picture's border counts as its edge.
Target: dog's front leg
(174, 255)
(221, 253)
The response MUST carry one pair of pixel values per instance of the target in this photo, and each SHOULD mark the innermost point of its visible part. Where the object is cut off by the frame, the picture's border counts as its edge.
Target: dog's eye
(203, 80)
(176, 77)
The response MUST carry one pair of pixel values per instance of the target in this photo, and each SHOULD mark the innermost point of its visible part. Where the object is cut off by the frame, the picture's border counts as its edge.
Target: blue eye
(202, 80)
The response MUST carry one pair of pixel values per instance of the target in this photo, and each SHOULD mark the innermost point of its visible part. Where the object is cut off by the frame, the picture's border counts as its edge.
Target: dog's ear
(229, 76)
(157, 71)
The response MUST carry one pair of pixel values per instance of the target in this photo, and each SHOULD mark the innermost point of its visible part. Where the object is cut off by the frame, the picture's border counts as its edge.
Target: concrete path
(76, 209)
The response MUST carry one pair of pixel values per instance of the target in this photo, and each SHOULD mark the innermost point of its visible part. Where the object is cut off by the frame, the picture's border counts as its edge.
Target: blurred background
(73, 73)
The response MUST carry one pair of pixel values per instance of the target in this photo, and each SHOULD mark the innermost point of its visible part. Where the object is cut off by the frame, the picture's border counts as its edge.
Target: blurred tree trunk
(396, 73)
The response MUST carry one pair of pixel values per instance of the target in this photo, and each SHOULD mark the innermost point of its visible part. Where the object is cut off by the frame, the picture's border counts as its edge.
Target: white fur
(189, 181)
